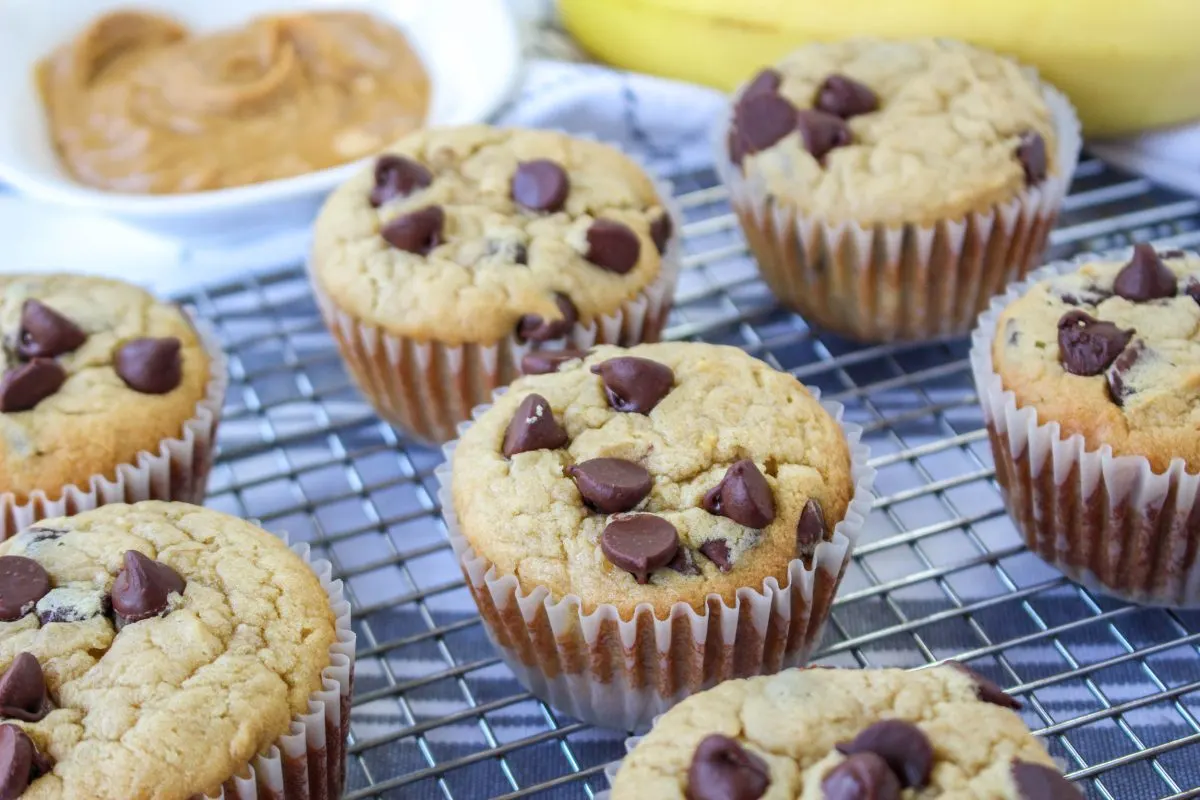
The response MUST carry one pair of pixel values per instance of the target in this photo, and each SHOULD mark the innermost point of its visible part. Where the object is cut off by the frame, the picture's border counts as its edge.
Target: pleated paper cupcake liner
(309, 761)
(621, 673)
(1108, 522)
(908, 282)
(177, 470)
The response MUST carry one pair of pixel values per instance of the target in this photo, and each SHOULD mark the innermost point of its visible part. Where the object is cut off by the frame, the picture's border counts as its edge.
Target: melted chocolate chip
(901, 744)
(532, 328)
(397, 176)
(1039, 782)
(722, 769)
(845, 97)
(22, 583)
(533, 427)
(541, 362)
(26, 385)
(762, 120)
(613, 246)
(639, 543)
(811, 529)
(766, 81)
(660, 232)
(634, 384)
(985, 689)
(417, 231)
(1086, 346)
(717, 551)
(611, 485)
(862, 776)
(23, 690)
(822, 132)
(1145, 277)
(45, 333)
(20, 762)
(540, 185)
(150, 366)
(1031, 152)
(73, 603)
(684, 563)
(1090, 295)
(143, 586)
(1118, 387)
(743, 496)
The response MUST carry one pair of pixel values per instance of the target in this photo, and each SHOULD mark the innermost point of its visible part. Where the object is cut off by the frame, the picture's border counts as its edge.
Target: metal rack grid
(1115, 689)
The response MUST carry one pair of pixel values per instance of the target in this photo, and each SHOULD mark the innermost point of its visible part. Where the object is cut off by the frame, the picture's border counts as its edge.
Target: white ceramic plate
(470, 49)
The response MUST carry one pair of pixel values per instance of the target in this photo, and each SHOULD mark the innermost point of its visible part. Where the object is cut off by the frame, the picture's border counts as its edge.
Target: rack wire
(1113, 688)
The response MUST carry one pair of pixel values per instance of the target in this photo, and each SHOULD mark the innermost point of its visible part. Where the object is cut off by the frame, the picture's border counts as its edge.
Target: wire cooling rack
(1114, 689)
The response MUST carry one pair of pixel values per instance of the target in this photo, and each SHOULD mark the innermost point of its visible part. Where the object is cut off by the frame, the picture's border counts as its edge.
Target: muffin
(639, 524)
(835, 734)
(461, 249)
(889, 188)
(160, 650)
(107, 395)
(1089, 377)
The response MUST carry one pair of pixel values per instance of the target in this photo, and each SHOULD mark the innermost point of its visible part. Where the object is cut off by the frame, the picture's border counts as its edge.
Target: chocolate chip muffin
(107, 394)
(461, 249)
(1090, 377)
(687, 496)
(155, 650)
(833, 734)
(889, 188)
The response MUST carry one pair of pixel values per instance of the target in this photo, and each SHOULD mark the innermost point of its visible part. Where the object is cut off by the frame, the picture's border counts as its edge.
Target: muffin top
(150, 651)
(472, 234)
(656, 474)
(876, 131)
(833, 734)
(95, 372)
(1111, 351)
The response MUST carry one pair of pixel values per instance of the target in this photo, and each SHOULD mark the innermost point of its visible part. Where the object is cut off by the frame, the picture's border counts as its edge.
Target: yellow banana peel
(1127, 66)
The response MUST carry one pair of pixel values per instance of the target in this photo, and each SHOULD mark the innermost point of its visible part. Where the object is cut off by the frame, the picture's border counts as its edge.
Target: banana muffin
(460, 249)
(1090, 381)
(107, 394)
(649, 486)
(889, 188)
(154, 650)
(835, 734)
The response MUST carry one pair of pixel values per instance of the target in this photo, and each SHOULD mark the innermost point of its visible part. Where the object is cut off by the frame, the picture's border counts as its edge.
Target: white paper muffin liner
(620, 673)
(309, 761)
(908, 282)
(177, 470)
(1108, 522)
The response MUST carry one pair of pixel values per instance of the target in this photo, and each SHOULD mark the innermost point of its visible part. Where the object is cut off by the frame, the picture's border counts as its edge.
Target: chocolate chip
(822, 132)
(143, 587)
(722, 769)
(397, 176)
(762, 120)
(985, 689)
(26, 385)
(1089, 295)
(533, 427)
(767, 81)
(417, 231)
(20, 762)
(1031, 152)
(734, 145)
(23, 690)
(540, 185)
(73, 603)
(542, 362)
(743, 496)
(717, 551)
(1172, 254)
(533, 328)
(610, 485)
(683, 563)
(1086, 346)
(845, 97)
(634, 384)
(811, 529)
(1118, 388)
(45, 333)
(612, 246)
(661, 230)
(862, 776)
(22, 583)
(150, 366)
(1193, 289)
(904, 747)
(639, 543)
(520, 254)
(1145, 277)
(1038, 782)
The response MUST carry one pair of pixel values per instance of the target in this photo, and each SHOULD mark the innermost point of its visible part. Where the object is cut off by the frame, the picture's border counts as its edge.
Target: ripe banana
(1127, 66)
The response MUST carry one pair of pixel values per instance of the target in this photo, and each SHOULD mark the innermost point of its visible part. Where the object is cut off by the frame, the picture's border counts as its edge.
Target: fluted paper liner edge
(1108, 522)
(757, 635)
(178, 470)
